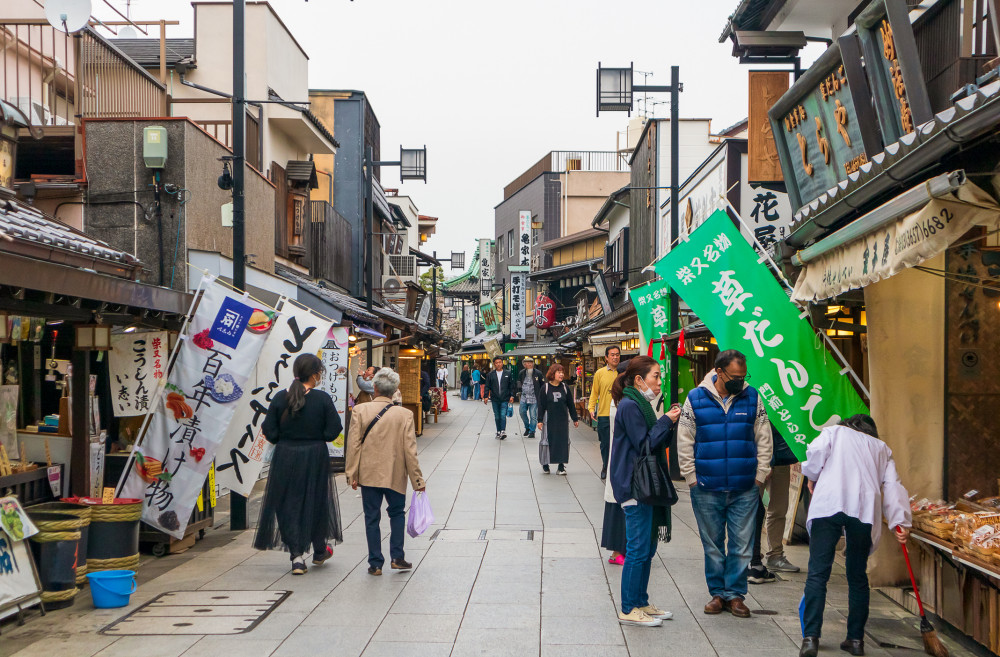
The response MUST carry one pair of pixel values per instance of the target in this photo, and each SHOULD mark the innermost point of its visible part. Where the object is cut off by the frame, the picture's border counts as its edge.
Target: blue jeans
(371, 502)
(500, 414)
(529, 415)
(476, 389)
(640, 546)
(465, 392)
(719, 513)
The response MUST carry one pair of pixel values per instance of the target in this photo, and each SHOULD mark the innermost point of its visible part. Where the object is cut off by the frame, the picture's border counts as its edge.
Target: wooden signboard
(797, 483)
(766, 87)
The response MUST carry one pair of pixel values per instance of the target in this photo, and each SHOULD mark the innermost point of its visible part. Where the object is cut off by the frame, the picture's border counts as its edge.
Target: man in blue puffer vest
(724, 452)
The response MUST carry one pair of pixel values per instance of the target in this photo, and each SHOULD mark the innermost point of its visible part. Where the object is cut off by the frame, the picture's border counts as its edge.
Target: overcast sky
(490, 87)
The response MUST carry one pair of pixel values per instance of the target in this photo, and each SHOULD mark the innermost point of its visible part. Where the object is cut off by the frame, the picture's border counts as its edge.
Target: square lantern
(614, 89)
(413, 164)
(458, 260)
(93, 337)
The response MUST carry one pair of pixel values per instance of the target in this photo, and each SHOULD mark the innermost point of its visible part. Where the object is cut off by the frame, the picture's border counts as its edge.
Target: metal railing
(569, 161)
(114, 86)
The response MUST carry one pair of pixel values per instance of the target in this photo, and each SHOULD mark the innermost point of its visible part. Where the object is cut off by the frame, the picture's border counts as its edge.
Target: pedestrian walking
(556, 406)
(381, 455)
(465, 379)
(477, 388)
(442, 377)
(724, 452)
(500, 392)
(364, 384)
(635, 426)
(300, 509)
(773, 517)
(613, 530)
(854, 484)
(600, 402)
(529, 381)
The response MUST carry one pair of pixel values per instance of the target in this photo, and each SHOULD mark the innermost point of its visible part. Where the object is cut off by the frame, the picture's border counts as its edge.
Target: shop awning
(555, 272)
(908, 230)
(536, 349)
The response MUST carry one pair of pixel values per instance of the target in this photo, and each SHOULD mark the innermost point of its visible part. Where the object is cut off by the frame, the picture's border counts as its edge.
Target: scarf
(662, 519)
(647, 409)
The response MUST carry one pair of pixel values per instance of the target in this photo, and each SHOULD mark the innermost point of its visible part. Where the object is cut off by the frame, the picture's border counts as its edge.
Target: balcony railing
(569, 161)
(55, 78)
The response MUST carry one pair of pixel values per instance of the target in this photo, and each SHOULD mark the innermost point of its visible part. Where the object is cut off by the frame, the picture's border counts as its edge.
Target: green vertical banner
(720, 277)
(652, 307)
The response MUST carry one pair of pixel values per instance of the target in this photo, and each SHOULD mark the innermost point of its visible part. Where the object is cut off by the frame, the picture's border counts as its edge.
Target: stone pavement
(512, 566)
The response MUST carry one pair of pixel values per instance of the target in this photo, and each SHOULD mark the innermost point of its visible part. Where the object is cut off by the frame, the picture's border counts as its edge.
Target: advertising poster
(137, 363)
(335, 357)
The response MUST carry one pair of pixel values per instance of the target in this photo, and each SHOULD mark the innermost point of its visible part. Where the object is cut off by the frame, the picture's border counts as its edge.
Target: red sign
(545, 312)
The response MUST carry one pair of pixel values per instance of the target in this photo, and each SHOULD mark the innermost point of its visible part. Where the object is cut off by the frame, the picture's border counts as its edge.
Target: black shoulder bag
(651, 482)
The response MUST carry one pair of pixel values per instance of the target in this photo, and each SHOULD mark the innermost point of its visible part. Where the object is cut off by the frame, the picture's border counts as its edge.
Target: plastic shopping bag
(510, 409)
(421, 516)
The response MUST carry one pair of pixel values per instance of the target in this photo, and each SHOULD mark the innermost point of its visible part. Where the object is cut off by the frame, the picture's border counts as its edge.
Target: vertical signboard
(766, 87)
(469, 317)
(893, 67)
(485, 270)
(821, 132)
(490, 317)
(518, 302)
(524, 244)
(335, 354)
(137, 363)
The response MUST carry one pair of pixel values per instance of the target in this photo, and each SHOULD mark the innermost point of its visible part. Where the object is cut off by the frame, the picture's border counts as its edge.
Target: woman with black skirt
(300, 508)
(556, 404)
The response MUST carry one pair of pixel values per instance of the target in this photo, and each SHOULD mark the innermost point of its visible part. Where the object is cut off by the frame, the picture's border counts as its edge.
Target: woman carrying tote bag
(637, 431)
(555, 404)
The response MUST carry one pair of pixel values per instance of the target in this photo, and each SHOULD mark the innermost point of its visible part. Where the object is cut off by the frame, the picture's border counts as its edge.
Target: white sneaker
(638, 617)
(653, 612)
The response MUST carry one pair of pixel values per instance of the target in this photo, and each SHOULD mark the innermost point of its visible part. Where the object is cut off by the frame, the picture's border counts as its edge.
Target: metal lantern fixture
(10, 120)
(92, 337)
(614, 89)
(413, 164)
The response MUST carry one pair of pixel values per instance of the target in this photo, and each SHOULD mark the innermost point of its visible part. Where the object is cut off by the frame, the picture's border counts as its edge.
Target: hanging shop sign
(469, 317)
(335, 354)
(137, 364)
(491, 319)
(906, 242)
(524, 246)
(766, 87)
(240, 457)
(424, 314)
(893, 66)
(723, 281)
(518, 303)
(824, 126)
(216, 357)
(652, 307)
(485, 270)
(545, 312)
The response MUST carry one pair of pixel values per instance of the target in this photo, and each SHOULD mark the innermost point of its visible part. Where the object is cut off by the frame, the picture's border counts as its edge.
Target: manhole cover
(199, 612)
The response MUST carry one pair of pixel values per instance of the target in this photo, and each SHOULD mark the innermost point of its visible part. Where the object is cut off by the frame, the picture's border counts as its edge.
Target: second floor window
(511, 243)
(500, 248)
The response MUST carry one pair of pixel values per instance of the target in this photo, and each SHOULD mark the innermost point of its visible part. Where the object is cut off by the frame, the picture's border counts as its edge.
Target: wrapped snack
(984, 542)
(965, 524)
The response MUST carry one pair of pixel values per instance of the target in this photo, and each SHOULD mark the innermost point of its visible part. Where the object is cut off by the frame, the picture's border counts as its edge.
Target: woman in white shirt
(853, 482)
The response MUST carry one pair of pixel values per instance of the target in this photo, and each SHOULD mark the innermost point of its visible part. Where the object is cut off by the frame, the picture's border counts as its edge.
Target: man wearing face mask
(724, 450)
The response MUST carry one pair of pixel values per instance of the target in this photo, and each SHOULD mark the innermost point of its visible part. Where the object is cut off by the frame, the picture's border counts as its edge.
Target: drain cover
(199, 612)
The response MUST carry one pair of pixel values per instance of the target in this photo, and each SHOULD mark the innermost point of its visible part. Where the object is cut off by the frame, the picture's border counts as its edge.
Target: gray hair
(386, 382)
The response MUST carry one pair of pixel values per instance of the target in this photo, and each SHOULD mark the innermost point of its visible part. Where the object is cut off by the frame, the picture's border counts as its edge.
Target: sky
(491, 87)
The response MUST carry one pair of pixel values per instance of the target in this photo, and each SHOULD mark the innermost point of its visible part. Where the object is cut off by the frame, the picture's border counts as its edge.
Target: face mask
(734, 387)
(648, 393)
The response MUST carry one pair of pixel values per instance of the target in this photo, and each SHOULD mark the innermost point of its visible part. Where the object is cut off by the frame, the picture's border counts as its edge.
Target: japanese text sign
(469, 317)
(491, 319)
(138, 363)
(191, 413)
(524, 244)
(718, 274)
(652, 305)
(518, 301)
(485, 269)
(335, 355)
(240, 457)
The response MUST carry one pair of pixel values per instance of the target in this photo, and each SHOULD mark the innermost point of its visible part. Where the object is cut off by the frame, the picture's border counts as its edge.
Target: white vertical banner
(518, 301)
(524, 246)
(241, 454)
(137, 363)
(336, 354)
(216, 357)
(485, 270)
(469, 317)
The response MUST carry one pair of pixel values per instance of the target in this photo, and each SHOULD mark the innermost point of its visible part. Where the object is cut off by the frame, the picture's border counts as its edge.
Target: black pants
(371, 501)
(823, 537)
(604, 437)
(757, 558)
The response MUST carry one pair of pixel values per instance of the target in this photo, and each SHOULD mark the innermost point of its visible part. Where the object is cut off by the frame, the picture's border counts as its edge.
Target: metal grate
(405, 266)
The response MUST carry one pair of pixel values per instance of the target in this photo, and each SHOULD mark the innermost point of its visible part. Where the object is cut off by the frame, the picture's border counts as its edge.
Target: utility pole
(674, 220)
(434, 287)
(238, 503)
(369, 237)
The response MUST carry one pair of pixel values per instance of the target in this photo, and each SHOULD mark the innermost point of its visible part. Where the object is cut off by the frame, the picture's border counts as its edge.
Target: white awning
(837, 265)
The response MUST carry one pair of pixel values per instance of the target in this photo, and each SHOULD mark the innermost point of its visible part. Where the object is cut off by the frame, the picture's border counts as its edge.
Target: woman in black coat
(556, 405)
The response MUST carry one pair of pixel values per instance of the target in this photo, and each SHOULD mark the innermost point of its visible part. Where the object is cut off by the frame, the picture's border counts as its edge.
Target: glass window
(500, 248)
(511, 242)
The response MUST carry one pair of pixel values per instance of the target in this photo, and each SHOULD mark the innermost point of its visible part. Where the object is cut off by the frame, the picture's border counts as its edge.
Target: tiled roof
(345, 303)
(302, 171)
(146, 52)
(25, 224)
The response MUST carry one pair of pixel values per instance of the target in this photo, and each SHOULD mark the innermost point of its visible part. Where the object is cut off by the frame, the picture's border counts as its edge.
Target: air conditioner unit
(393, 285)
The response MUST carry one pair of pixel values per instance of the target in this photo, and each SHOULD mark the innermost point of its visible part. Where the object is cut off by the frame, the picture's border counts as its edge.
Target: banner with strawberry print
(216, 356)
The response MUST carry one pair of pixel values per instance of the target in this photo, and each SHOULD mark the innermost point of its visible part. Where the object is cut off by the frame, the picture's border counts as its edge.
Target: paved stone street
(511, 567)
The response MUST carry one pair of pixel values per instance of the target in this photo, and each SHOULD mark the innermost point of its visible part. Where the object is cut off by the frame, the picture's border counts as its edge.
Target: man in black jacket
(500, 391)
(529, 381)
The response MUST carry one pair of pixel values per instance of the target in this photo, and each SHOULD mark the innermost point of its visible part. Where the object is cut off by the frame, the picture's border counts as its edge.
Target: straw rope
(115, 563)
(60, 525)
(46, 536)
(59, 596)
(78, 510)
(81, 574)
(116, 513)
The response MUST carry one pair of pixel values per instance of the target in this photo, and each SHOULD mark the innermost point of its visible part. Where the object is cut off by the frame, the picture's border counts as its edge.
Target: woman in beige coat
(381, 455)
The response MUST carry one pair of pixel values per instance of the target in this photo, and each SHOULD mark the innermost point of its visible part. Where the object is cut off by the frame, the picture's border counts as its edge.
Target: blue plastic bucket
(111, 588)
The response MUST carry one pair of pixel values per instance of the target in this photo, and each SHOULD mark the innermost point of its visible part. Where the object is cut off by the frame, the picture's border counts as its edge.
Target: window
(535, 233)
(511, 243)
(500, 248)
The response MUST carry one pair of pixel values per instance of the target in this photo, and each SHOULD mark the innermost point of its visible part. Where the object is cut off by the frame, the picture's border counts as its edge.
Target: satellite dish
(128, 32)
(67, 15)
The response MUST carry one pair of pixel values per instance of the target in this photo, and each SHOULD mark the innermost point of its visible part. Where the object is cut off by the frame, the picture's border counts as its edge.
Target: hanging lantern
(545, 312)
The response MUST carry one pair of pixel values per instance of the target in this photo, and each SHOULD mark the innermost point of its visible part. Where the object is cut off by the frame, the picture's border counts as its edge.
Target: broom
(932, 644)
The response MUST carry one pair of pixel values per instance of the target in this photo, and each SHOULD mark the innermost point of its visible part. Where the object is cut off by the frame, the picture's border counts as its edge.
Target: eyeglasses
(736, 378)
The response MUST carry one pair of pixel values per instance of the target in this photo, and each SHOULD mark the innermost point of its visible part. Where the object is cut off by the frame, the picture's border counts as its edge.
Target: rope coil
(59, 596)
(116, 513)
(47, 536)
(116, 563)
